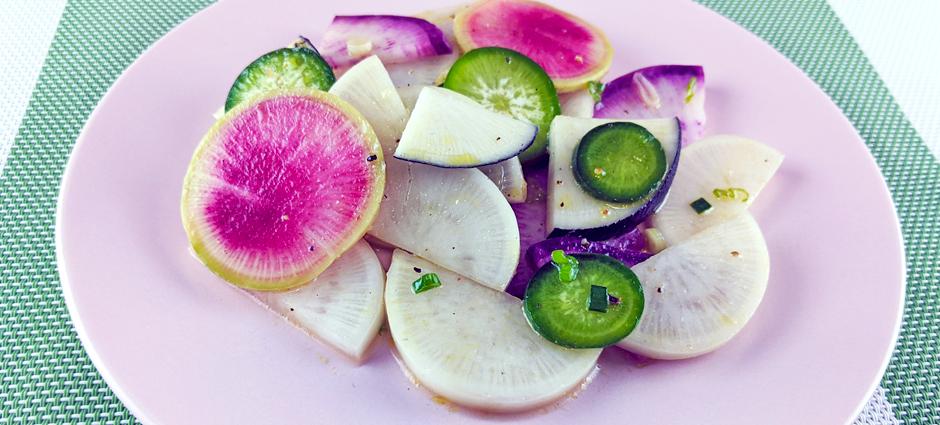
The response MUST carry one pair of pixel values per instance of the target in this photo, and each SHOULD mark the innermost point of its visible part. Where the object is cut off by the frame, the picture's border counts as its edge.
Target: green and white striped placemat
(46, 377)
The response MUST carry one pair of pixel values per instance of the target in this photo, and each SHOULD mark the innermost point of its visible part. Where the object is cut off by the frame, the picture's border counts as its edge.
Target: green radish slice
(737, 167)
(567, 313)
(298, 67)
(569, 49)
(508, 177)
(280, 187)
(465, 223)
(450, 130)
(569, 206)
(472, 345)
(700, 293)
(507, 81)
(619, 162)
(343, 307)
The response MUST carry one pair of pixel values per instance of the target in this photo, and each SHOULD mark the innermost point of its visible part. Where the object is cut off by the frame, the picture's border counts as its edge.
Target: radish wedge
(448, 129)
(254, 195)
(508, 177)
(661, 91)
(571, 208)
(466, 224)
(411, 77)
(570, 50)
(738, 168)
(343, 306)
(395, 39)
(579, 104)
(701, 292)
(472, 345)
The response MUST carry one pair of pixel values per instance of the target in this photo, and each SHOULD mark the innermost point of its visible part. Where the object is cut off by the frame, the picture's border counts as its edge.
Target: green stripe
(45, 375)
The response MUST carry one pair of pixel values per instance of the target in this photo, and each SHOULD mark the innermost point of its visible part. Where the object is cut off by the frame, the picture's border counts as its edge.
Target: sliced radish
(444, 19)
(395, 39)
(411, 77)
(472, 345)
(343, 306)
(255, 196)
(448, 129)
(508, 177)
(570, 50)
(571, 208)
(630, 249)
(738, 168)
(369, 89)
(701, 292)
(661, 91)
(530, 216)
(464, 224)
(579, 104)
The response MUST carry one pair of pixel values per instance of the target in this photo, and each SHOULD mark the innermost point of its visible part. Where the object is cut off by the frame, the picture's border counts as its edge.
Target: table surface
(899, 56)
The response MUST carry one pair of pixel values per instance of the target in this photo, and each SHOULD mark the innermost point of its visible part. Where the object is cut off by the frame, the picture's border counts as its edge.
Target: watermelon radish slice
(394, 39)
(472, 345)
(280, 187)
(662, 91)
(570, 50)
(464, 224)
(700, 293)
(728, 172)
(343, 306)
(570, 208)
(450, 130)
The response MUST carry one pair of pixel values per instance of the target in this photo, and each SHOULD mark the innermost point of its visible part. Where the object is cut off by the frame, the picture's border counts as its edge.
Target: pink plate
(178, 345)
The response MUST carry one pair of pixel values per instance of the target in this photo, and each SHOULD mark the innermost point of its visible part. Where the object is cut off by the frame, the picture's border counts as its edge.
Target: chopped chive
(598, 300)
(690, 89)
(426, 282)
(596, 89)
(732, 193)
(567, 266)
(701, 206)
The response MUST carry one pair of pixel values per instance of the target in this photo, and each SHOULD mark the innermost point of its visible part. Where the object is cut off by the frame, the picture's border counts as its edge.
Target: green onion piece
(426, 282)
(732, 193)
(701, 206)
(690, 89)
(567, 265)
(598, 300)
(596, 89)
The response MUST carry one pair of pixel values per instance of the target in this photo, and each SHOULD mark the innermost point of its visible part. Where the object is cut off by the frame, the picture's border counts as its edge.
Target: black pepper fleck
(561, 205)
(659, 290)
(372, 157)
(417, 270)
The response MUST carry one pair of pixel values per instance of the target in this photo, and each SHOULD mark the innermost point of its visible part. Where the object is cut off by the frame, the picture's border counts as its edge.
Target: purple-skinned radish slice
(465, 223)
(508, 177)
(343, 306)
(569, 49)
(701, 292)
(394, 39)
(530, 216)
(450, 130)
(572, 210)
(630, 248)
(472, 345)
(727, 172)
(280, 187)
(661, 91)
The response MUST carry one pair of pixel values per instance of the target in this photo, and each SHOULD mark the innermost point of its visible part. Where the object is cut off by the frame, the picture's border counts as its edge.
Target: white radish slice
(448, 129)
(411, 77)
(369, 89)
(725, 163)
(464, 224)
(342, 307)
(508, 177)
(569, 206)
(701, 292)
(472, 345)
(579, 104)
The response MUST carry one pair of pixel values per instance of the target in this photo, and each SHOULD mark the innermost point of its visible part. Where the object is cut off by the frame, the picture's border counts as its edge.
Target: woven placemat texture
(45, 376)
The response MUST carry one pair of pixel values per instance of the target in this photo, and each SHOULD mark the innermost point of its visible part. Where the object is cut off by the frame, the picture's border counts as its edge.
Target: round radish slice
(281, 186)
(570, 50)
(727, 172)
(343, 306)
(700, 293)
(472, 344)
